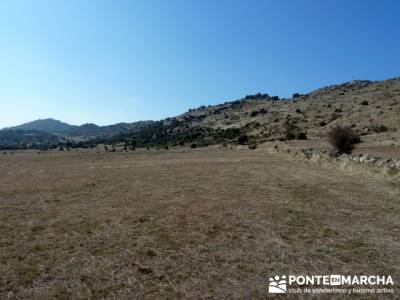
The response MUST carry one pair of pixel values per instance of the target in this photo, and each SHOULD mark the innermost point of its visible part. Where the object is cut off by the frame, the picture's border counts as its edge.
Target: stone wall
(361, 158)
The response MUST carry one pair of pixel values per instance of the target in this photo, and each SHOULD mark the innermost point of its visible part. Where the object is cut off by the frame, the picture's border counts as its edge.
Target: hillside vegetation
(366, 106)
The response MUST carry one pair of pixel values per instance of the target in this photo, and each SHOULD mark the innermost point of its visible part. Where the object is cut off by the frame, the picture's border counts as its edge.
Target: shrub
(322, 123)
(253, 146)
(289, 135)
(243, 139)
(290, 131)
(193, 145)
(364, 103)
(262, 111)
(381, 128)
(296, 95)
(253, 114)
(343, 139)
(301, 135)
(334, 117)
(166, 147)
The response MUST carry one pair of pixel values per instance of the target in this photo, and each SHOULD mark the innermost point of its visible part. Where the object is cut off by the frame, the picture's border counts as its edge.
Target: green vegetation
(253, 119)
(343, 139)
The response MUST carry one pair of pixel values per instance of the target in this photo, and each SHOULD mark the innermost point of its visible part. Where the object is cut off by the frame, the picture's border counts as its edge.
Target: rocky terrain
(369, 107)
(365, 105)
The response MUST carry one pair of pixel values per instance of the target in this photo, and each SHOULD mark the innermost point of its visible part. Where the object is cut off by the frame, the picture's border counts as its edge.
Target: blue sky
(112, 61)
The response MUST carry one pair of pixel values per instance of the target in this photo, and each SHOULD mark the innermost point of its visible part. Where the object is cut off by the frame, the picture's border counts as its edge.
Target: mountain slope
(367, 106)
(23, 139)
(45, 125)
(94, 131)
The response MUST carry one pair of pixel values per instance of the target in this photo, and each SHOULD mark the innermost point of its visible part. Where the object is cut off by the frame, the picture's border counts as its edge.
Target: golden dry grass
(197, 224)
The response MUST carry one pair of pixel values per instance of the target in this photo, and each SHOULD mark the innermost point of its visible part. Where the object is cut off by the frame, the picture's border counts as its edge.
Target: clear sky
(113, 60)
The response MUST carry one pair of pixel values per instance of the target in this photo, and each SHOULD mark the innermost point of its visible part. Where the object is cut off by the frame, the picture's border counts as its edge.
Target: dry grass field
(192, 224)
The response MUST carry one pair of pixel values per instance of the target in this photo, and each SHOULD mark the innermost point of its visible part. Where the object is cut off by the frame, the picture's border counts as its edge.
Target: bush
(334, 117)
(253, 114)
(289, 135)
(364, 103)
(262, 111)
(290, 131)
(243, 139)
(322, 123)
(193, 145)
(301, 135)
(296, 95)
(343, 139)
(381, 128)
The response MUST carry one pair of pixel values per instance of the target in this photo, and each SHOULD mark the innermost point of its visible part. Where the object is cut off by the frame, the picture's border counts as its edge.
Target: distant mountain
(85, 130)
(45, 125)
(93, 131)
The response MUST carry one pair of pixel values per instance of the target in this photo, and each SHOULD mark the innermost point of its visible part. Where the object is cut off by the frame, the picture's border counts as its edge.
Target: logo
(331, 284)
(335, 280)
(277, 285)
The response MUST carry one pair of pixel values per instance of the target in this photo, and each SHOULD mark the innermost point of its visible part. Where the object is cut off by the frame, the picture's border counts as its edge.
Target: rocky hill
(367, 106)
(364, 105)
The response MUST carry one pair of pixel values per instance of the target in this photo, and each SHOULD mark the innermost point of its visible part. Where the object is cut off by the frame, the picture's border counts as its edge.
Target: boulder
(364, 158)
